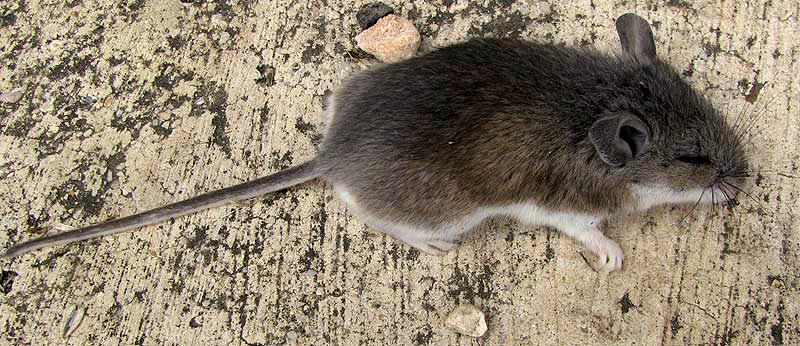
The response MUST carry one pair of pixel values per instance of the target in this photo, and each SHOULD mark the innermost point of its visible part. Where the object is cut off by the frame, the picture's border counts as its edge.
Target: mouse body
(428, 148)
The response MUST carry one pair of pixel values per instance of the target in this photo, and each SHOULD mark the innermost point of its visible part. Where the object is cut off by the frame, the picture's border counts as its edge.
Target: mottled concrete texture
(130, 104)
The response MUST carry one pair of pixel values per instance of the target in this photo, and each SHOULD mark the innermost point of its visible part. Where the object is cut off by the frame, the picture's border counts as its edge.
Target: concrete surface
(130, 104)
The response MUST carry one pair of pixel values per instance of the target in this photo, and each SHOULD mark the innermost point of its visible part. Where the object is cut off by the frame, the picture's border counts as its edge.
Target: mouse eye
(694, 160)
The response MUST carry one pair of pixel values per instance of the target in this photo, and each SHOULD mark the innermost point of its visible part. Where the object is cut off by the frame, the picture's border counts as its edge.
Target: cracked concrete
(129, 105)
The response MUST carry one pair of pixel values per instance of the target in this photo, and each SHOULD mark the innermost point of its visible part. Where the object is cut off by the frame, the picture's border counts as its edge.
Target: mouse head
(661, 135)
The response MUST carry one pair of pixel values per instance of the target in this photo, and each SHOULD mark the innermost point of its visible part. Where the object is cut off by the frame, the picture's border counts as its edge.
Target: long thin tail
(254, 188)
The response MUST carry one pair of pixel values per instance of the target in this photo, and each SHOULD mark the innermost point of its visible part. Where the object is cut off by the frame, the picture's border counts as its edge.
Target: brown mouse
(427, 148)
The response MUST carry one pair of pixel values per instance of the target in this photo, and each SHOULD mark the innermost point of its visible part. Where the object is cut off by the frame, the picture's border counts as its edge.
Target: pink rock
(467, 320)
(12, 96)
(392, 38)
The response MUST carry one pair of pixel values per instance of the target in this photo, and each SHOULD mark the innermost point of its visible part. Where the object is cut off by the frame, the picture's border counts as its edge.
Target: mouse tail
(254, 188)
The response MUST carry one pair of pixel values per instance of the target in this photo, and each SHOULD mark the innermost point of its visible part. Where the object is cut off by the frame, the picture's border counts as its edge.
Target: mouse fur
(427, 148)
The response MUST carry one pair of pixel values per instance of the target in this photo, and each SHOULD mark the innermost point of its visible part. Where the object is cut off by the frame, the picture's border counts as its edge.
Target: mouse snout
(732, 178)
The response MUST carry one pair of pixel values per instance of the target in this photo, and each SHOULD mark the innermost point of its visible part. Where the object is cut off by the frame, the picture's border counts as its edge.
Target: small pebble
(218, 20)
(369, 14)
(391, 39)
(73, 315)
(266, 75)
(224, 37)
(90, 100)
(777, 283)
(291, 335)
(12, 96)
(467, 320)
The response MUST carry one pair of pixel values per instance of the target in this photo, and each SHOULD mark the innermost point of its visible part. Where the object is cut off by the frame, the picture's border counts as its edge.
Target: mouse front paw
(606, 255)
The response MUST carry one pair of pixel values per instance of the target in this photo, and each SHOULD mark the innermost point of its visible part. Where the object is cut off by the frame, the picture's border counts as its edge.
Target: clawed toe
(603, 255)
(603, 263)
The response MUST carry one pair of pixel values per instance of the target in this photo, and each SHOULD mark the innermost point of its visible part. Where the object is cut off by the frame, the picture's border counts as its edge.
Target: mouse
(563, 137)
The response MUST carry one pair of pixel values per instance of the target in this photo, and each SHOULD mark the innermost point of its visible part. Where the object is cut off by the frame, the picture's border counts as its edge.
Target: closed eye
(694, 160)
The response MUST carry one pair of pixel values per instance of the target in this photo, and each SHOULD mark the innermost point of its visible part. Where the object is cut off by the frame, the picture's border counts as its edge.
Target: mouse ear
(636, 37)
(619, 138)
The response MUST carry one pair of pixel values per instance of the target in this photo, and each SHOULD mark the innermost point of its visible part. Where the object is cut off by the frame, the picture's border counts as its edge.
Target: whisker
(743, 192)
(758, 133)
(762, 171)
(732, 193)
(736, 122)
(747, 126)
(740, 122)
(743, 121)
(693, 207)
(739, 176)
(728, 195)
(749, 123)
(713, 202)
(765, 170)
(712, 194)
(724, 189)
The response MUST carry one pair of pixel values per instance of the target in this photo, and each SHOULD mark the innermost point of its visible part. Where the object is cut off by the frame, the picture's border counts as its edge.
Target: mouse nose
(732, 179)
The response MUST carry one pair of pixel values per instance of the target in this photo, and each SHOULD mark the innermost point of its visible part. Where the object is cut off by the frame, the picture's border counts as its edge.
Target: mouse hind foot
(434, 247)
(425, 240)
(432, 241)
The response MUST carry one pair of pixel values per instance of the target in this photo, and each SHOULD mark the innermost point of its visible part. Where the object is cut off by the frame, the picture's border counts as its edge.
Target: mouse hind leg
(427, 240)
(421, 239)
